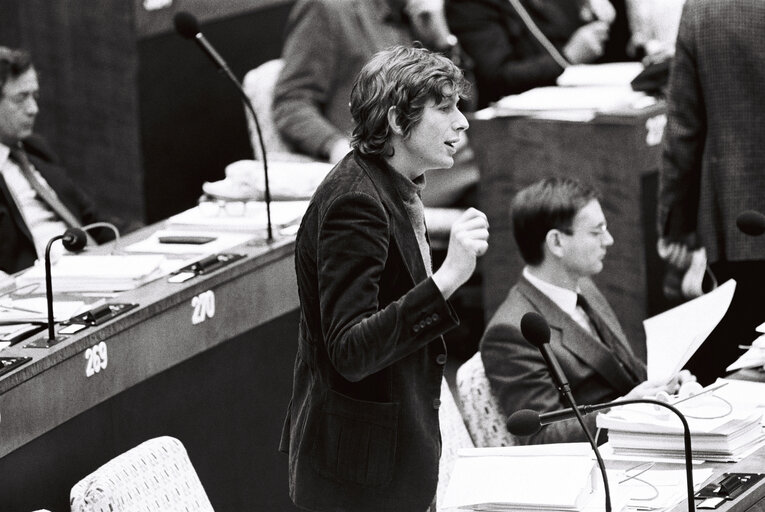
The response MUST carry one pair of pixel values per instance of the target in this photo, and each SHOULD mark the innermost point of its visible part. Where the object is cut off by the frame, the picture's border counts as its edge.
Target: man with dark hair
(362, 431)
(37, 199)
(562, 235)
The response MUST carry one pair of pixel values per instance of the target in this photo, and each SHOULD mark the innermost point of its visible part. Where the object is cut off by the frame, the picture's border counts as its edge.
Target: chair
(259, 85)
(482, 413)
(154, 476)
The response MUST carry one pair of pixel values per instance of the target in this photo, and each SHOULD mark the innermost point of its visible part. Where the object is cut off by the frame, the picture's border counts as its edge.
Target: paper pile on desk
(253, 221)
(754, 356)
(524, 478)
(95, 273)
(721, 430)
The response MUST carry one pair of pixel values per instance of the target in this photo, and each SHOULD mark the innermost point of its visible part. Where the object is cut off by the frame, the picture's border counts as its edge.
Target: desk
(619, 155)
(221, 386)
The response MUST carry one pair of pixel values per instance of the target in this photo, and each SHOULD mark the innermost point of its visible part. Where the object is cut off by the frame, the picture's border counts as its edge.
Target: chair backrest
(259, 85)
(482, 414)
(154, 476)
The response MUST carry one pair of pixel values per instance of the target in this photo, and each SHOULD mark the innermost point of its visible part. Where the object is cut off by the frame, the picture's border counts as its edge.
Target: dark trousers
(737, 327)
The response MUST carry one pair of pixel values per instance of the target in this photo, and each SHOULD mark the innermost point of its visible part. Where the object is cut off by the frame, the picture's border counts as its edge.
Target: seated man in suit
(561, 232)
(37, 199)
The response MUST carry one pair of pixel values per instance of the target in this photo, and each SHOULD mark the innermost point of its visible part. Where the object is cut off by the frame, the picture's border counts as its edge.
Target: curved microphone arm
(586, 409)
(594, 445)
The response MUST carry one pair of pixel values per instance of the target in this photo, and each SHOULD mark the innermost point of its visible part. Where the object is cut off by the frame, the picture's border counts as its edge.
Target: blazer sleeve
(519, 379)
(305, 84)
(680, 176)
(362, 336)
(499, 67)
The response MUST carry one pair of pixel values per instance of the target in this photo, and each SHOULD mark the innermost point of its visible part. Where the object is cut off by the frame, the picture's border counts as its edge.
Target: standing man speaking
(362, 429)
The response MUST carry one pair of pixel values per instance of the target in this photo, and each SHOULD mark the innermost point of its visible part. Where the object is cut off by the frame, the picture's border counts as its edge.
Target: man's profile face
(585, 244)
(432, 142)
(18, 107)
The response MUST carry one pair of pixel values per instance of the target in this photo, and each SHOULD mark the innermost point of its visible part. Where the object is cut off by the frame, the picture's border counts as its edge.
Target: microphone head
(524, 422)
(186, 25)
(74, 239)
(751, 222)
(535, 329)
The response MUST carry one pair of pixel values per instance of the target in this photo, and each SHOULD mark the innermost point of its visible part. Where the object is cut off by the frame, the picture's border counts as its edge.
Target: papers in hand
(674, 336)
(97, 273)
(520, 477)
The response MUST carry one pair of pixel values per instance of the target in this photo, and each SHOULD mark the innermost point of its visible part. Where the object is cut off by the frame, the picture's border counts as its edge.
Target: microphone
(751, 222)
(536, 330)
(187, 26)
(526, 422)
(73, 239)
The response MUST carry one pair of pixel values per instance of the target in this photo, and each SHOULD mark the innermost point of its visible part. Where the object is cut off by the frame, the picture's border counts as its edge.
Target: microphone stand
(586, 409)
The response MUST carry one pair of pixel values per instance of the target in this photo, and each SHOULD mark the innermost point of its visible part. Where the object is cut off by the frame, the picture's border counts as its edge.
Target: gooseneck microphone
(751, 222)
(536, 330)
(74, 240)
(187, 26)
(527, 422)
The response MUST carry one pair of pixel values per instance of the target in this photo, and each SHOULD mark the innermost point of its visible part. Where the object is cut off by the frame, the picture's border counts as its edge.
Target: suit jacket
(17, 250)
(362, 429)
(507, 58)
(519, 377)
(714, 156)
(327, 44)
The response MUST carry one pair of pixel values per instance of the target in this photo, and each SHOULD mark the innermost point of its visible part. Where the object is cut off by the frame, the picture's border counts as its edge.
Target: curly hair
(405, 79)
(13, 63)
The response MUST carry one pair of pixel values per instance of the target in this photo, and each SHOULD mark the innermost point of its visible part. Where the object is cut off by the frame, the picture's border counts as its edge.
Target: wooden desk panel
(615, 154)
(165, 376)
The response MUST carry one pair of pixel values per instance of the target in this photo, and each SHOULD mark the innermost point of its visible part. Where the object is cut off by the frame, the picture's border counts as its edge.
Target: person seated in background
(37, 199)
(562, 235)
(517, 45)
(327, 43)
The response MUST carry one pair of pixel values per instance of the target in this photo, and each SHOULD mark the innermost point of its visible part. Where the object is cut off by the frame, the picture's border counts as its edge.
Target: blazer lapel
(576, 340)
(404, 235)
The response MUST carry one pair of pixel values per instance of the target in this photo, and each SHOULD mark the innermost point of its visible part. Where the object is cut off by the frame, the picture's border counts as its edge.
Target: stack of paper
(522, 478)
(253, 219)
(97, 273)
(754, 356)
(720, 430)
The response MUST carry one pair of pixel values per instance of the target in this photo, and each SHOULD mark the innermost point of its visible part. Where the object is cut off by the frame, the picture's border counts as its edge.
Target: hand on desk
(682, 384)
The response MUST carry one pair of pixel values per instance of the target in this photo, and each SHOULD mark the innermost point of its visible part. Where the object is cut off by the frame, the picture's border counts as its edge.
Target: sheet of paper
(656, 489)
(674, 336)
(35, 309)
(595, 98)
(752, 358)
(221, 242)
(252, 222)
(613, 73)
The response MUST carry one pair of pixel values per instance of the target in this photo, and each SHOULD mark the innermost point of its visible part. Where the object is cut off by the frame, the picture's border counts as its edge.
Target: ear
(393, 122)
(554, 243)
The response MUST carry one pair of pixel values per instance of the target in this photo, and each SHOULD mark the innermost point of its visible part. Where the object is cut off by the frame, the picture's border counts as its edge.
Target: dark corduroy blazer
(362, 429)
(17, 250)
(714, 144)
(519, 377)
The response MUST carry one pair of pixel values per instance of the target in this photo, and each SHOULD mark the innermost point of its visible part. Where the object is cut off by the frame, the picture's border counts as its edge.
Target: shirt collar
(562, 297)
(5, 153)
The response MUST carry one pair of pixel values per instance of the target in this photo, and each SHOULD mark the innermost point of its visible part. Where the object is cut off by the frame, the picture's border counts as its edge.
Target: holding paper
(673, 336)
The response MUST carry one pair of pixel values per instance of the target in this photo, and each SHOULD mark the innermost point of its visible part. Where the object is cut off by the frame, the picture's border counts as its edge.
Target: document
(514, 478)
(674, 336)
(219, 242)
(252, 221)
(613, 73)
(569, 100)
(753, 357)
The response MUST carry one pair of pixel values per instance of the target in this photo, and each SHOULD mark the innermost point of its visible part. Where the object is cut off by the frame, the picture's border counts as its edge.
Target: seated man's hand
(651, 389)
(586, 44)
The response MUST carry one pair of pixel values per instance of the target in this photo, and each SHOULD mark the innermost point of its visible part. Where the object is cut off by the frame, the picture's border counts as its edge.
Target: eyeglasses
(21, 98)
(600, 231)
(212, 207)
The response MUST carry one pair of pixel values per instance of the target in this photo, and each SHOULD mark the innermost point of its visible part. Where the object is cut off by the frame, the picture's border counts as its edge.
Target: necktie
(44, 193)
(606, 335)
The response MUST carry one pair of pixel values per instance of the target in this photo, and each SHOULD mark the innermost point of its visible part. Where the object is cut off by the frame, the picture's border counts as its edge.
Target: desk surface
(156, 335)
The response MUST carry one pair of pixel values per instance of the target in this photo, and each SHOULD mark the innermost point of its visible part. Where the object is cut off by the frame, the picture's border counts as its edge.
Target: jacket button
(428, 321)
(436, 403)
(441, 359)
(435, 317)
(416, 328)
(422, 324)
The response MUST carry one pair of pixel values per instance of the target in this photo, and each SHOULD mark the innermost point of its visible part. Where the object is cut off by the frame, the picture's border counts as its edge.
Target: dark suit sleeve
(305, 84)
(483, 32)
(362, 337)
(680, 176)
(520, 380)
